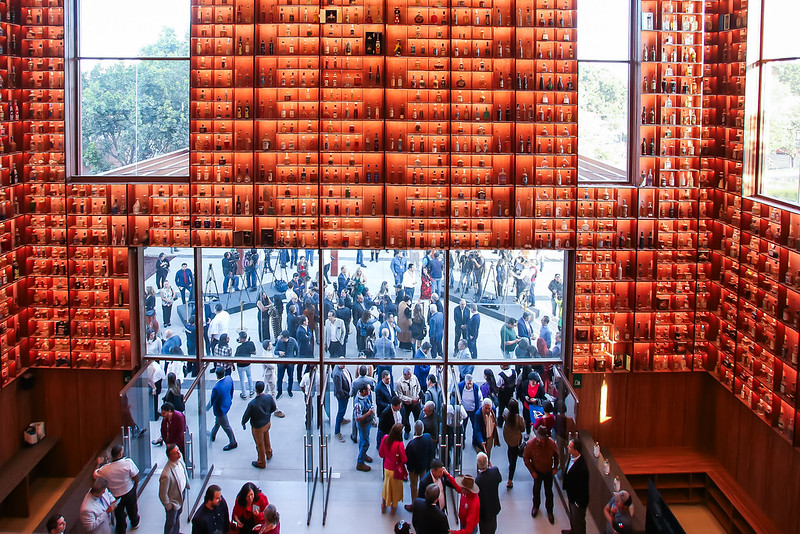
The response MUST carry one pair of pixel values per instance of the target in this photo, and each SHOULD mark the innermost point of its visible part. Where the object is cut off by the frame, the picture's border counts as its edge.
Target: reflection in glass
(780, 171)
(603, 121)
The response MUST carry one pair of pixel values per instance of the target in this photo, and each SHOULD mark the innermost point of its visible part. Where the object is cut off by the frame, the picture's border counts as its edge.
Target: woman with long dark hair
(174, 394)
(248, 512)
(394, 468)
(264, 305)
(418, 328)
(513, 428)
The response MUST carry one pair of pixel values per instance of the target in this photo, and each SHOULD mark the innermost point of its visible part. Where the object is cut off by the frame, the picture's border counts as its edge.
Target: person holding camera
(229, 260)
(250, 265)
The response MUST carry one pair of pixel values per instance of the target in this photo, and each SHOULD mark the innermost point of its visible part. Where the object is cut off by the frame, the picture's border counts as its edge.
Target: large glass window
(603, 80)
(134, 88)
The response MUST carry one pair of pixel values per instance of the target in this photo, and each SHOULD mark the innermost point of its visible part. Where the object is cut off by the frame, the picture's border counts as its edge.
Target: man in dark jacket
(259, 412)
(341, 390)
(221, 396)
(419, 452)
(212, 517)
(436, 474)
(286, 347)
(390, 416)
(428, 518)
(184, 280)
(384, 392)
(461, 318)
(162, 269)
(488, 480)
(576, 484)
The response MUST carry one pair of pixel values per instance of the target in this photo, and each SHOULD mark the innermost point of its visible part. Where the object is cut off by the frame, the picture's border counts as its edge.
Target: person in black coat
(384, 392)
(419, 452)
(576, 484)
(437, 472)
(426, 516)
(488, 480)
(461, 318)
(388, 417)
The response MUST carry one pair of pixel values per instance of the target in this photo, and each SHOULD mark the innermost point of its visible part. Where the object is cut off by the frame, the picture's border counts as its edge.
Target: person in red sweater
(394, 468)
(469, 508)
(248, 512)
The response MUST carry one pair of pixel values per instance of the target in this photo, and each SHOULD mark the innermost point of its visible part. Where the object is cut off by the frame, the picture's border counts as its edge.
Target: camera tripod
(211, 278)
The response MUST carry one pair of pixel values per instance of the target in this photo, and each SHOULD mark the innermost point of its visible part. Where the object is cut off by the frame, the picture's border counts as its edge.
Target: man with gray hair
(419, 452)
(408, 389)
(430, 421)
(488, 480)
(473, 326)
(97, 507)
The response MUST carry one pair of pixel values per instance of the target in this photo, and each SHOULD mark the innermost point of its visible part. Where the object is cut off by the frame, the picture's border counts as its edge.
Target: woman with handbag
(394, 468)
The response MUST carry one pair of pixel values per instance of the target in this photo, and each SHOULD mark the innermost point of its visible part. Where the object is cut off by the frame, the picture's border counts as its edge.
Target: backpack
(281, 286)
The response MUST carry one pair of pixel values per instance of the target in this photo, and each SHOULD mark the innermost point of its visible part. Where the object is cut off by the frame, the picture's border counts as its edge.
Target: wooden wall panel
(15, 407)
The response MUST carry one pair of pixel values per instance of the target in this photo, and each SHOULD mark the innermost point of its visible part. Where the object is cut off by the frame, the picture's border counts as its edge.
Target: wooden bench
(687, 476)
(16, 474)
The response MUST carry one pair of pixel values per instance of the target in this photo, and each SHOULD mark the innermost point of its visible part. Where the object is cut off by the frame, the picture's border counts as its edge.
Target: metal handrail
(194, 383)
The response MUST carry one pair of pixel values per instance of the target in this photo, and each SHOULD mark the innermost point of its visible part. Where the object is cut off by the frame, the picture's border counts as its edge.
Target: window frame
(634, 69)
(73, 96)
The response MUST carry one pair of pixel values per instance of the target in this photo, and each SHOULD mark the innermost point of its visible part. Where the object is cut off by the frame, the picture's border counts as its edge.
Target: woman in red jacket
(394, 468)
(248, 512)
(469, 508)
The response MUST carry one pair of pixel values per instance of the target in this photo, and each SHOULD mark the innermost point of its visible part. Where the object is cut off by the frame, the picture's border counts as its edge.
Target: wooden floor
(44, 493)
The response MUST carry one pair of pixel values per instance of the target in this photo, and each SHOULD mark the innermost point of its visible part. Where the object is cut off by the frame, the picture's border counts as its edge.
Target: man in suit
(221, 399)
(419, 452)
(525, 326)
(430, 421)
(341, 390)
(461, 318)
(384, 392)
(390, 416)
(428, 518)
(488, 480)
(576, 484)
(358, 383)
(171, 484)
(473, 326)
(439, 478)
(184, 280)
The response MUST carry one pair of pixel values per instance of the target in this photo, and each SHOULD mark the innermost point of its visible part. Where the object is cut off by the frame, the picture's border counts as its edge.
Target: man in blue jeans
(342, 381)
(362, 416)
(436, 270)
(221, 398)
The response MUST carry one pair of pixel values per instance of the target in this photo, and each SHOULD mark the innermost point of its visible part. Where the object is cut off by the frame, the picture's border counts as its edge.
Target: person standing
(408, 389)
(213, 516)
(462, 353)
(556, 289)
(398, 267)
(250, 266)
(513, 428)
(471, 402)
(167, 299)
(509, 338)
(422, 370)
(246, 349)
(122, 476)
(390, 416)
(576, 484)
(426, 516)
(436, 333)
(249, 508)
(342, 380)
(184, 280)
(335, 332)
(525, 326)
(419, 453)
(229, 273)
(259, 412)
(461, 319)
(541, 459)
(173, 426)
(545, 332)
(270, 375)
(171, 484)
(469, 506)
(97, 507)
(486, 424)
(488, 480)
(436, 269)
(394, 457)
(362, 417)
(285, 348)
(222, 351)
(221, 399)
(473, 326)
(506, 384)
(410, 281)
(162, 270)
(305, 339)
(219, 325)
(438, 477)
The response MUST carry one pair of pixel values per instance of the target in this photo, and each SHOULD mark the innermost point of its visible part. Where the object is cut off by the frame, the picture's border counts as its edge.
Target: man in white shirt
(334, 335)
(410, 281)
(97, 507)
(219, 325)
(171, 485)
(122, 476)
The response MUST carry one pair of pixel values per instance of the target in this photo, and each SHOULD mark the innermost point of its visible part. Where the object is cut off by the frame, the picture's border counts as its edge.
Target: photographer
(250, 264)
(229, 261)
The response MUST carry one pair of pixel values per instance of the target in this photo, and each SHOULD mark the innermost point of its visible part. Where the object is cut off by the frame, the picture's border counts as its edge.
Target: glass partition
(137, 408)
(196, 456)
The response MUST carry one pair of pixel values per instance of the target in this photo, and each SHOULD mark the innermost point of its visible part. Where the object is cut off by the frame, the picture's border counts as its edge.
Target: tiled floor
(353, 494)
